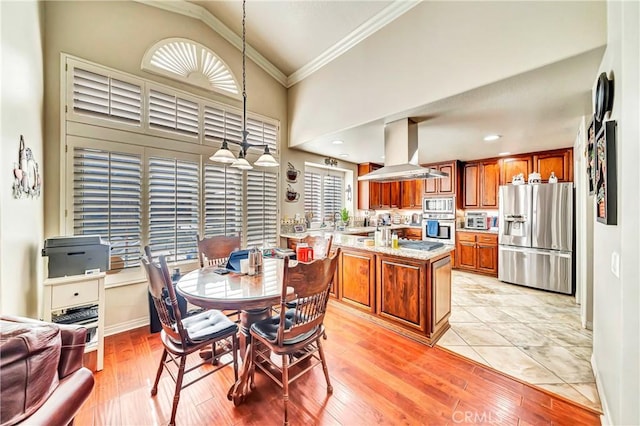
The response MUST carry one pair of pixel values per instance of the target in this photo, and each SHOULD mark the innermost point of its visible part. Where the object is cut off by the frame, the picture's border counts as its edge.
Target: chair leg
(154, 389)
(324, 366)
(285, 387)
(176, 395)
(214, 359)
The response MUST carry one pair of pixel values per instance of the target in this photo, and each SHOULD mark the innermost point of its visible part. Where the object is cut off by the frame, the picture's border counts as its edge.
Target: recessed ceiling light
(502, 154)
(344, 155)
(382, 156)
(491, 138)
(337, 142)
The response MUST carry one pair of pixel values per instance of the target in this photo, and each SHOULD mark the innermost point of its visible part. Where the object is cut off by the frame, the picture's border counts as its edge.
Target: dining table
(253, 295)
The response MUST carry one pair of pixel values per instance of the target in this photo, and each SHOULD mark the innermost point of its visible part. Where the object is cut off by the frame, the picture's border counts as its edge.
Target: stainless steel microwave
(439, 207)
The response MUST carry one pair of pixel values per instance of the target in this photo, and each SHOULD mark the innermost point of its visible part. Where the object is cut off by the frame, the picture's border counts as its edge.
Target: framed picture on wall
(605, 174)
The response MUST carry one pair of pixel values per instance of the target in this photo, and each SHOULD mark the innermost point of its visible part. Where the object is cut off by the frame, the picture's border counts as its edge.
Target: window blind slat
(108, 202)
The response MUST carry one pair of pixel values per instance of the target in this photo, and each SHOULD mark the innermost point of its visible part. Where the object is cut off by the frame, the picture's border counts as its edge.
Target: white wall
(21, 220)
(616, 328)
(436, 50)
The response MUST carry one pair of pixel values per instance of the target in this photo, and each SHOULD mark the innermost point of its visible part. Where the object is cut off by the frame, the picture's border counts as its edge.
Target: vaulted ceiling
(534, 110)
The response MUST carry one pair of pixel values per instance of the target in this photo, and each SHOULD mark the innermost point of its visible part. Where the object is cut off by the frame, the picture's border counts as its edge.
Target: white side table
(74, 292)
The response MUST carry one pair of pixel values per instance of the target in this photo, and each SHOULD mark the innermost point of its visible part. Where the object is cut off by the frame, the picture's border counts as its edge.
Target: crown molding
(378, 21)
(198, 12)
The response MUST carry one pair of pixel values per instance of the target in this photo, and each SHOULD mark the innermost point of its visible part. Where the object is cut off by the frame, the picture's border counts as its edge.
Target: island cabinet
(401, 296)
(357, 278)
(409, 294)
(480, 184)
(477, 252)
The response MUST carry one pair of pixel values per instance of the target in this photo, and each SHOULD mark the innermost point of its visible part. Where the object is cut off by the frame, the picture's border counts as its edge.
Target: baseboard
(125, 326)
(605, 418)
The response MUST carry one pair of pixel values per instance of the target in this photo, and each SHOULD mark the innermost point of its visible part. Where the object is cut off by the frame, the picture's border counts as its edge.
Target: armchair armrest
(73, 343)
(72, 350)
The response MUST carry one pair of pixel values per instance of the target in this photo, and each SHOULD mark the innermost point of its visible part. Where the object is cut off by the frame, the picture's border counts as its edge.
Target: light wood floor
(378, 377)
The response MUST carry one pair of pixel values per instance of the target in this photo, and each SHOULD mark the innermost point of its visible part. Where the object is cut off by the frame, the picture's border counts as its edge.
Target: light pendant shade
(242, 163)
(266, 159)
(223, 155)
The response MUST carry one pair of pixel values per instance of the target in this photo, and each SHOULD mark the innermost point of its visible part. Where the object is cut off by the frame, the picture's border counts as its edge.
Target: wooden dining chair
(214, 251)
(296, 333)
(182, 337)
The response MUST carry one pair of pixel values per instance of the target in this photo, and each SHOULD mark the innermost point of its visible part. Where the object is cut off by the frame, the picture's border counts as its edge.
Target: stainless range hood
(401, 155)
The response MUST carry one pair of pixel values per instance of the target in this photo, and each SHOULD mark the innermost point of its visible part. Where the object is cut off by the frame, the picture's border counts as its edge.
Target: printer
(77, 255)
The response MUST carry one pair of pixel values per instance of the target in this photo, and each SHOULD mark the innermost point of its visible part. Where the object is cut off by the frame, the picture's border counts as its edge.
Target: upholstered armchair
(43, 380)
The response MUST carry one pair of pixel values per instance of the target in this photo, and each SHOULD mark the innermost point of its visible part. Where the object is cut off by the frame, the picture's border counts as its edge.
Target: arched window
(190, 62)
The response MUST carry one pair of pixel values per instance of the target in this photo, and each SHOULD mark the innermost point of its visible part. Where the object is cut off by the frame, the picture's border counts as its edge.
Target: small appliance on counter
(477, 221)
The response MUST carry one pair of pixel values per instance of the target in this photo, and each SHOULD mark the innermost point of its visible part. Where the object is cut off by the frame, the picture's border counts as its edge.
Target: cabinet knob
(76, 294)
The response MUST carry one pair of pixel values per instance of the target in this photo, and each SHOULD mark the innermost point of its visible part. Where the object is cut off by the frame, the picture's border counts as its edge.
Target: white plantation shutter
(173, 208)
(313, 194)
(323, 192)
(107, 198)
(262, 133)
(106, 97)
(223, 200)
(332, 195)
(171, 112)
(220, 124)
(262, 208)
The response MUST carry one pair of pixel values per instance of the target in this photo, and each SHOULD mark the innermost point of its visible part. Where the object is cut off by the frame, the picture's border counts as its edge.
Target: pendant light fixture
(224, 155)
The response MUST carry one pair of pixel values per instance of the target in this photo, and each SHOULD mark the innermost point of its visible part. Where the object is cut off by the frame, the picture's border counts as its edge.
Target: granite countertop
(346, 231)
(351, 241)
(480, 231)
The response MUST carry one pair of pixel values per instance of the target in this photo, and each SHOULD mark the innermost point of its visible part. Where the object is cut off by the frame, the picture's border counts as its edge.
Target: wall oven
(439, 230)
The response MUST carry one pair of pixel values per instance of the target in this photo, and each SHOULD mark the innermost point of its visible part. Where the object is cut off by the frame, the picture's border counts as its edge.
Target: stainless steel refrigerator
(536, 236)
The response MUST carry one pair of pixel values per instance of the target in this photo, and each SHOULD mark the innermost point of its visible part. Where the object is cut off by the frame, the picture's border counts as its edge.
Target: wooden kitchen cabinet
(440, 295)
(369, 193)
(477, 252)
(442, 186)
(513, 166)
(560, 162)
(480, 184)
(413, 234)
(411, 194)
(389, 195)
(400, 295)
(357, 279)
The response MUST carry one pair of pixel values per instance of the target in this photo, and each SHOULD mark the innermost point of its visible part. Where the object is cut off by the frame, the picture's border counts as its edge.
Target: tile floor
(530, 334)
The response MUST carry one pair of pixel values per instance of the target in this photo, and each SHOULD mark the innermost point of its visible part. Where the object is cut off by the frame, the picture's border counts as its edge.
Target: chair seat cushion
(208, 325)
(268, 328)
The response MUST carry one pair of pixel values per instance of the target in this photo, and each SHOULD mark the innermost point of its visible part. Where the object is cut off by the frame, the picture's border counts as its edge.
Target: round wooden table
(252, 295)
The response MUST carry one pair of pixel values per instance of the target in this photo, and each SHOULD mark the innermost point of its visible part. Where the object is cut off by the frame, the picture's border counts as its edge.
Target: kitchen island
(404, 289)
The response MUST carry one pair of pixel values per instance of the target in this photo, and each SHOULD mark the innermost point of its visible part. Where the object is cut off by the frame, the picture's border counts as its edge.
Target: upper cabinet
(559, 161)
(442, 186)
(481, 181)
(376, 195)
(411, 194)
(513, 166)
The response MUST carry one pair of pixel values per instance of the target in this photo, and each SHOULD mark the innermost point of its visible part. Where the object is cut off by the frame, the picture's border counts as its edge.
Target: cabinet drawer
(74, 294)
(413, 233)
(467, 237)
(487, 238)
